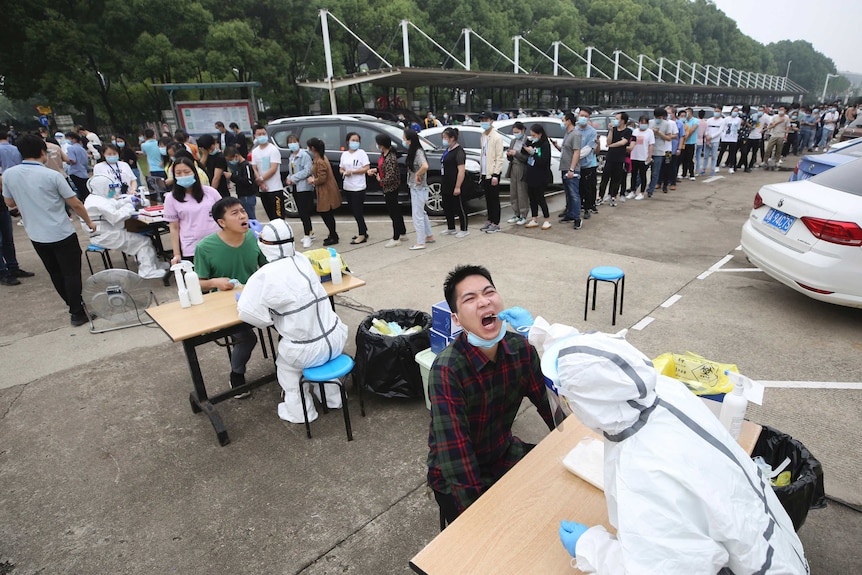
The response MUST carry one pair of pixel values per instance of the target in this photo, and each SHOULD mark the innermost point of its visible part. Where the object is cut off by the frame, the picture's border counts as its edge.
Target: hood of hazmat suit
(107, 213)
(287, 294)
(684, 497)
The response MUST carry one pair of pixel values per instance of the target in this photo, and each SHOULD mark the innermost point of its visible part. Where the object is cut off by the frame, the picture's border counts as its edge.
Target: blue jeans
(825, 136)
(249, 203)
(806, 139)
(573, 196)
(710, 156)
(8, 260)
(657, 163)
(698, 152)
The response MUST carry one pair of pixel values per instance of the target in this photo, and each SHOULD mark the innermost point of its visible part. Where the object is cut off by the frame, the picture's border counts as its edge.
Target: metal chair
(330, 372)
(105, 255)
(608, 274)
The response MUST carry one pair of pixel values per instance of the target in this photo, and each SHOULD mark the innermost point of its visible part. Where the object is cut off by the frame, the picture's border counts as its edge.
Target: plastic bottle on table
(193, 284)
(334, 266)
(733, 408)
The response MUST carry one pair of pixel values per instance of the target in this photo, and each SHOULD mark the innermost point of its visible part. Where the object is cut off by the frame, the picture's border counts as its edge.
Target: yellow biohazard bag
(701, 375)
(320, 262)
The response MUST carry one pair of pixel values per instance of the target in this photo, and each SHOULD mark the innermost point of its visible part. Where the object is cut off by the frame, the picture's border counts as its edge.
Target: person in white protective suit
(286, 293)
(684, 497)
(109, 214)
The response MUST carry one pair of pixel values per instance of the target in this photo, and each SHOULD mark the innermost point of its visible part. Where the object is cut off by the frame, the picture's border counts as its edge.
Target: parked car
(333, 130)
(470, 138)
(852, 130)
(553, 127)
(813, 164)
(807, 234)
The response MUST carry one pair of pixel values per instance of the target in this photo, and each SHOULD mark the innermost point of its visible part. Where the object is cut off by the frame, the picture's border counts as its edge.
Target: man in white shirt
(714, 130)
(830, 120)
(730, 139)
(266, 161)
(491, 160)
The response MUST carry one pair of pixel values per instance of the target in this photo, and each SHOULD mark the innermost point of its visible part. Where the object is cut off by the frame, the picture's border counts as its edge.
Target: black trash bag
(806, 474)
(386, 365)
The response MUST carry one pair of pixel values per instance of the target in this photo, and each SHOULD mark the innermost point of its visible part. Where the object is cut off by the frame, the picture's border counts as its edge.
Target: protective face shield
(609, 384)
(276, 241)
(102, 186)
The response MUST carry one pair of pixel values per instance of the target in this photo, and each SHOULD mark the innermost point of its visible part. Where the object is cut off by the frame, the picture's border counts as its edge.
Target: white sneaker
(532, 224)
(449, 233)
(622, 199)
(546, 226)
(521, 221)
(630, 195)
(392, 244)
(717, 169)
(639, 197)
(512, 220)
(607, 198)
(462, 234)
(691, 178)
(306, 242)
(730, 171)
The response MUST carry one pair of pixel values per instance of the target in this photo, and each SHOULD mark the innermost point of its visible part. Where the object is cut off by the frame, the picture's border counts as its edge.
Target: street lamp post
(828, 76)
(787, 73)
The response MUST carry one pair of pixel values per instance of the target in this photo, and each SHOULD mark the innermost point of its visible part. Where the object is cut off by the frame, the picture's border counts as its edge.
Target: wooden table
(513, 527)
(215, 319)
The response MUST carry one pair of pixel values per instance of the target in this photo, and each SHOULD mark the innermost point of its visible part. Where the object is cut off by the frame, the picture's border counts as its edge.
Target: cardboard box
(441, 320)
(439, 341)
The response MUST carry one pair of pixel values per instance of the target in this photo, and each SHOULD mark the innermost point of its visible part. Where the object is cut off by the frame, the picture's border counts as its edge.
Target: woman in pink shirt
(188, 210)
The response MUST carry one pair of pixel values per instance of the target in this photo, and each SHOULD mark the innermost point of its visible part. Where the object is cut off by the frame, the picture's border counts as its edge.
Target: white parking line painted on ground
(721, 262)
(739, 270)
(713, 179)
(671, 300)
(643, 323)
(738, 248)
(813, 384)
(704, 275)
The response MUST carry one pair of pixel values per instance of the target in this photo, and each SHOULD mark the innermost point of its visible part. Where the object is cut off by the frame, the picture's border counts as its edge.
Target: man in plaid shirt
(476, 386)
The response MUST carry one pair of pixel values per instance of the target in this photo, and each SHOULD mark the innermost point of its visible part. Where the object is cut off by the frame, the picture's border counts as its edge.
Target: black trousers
(745, 160)
(305, 207)
(730, 148)
(453, 206)
(273, 204)
(617, 173)
(329, 220)
(688, 160)
(639, 170)
(492, 200)
(588, 188)
(394, 209)
(62, 261)
(537, 200)
(356, 202)
(81, 184)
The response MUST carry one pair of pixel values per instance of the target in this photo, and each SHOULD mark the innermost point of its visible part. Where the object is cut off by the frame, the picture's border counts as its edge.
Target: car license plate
(779, 220)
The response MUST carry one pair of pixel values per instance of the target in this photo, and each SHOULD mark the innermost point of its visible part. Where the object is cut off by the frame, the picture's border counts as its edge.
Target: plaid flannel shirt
(474, 402)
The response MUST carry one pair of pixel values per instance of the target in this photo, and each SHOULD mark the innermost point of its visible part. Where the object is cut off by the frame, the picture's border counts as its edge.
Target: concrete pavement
(104, 469)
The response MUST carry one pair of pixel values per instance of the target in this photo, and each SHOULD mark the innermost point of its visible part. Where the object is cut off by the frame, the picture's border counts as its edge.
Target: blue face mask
(643, 127)
(261, 140)
(112, 159)
(121, 145)
(293, 146)
(734, 114)
(477, 341)
(186, 181)
(163, 151)
(615, 122)
(214, 152)
(583, 121)
(484, 125)
(445, 142)
(353, 145)
(518, 135)
(233, 164)
(716, 114)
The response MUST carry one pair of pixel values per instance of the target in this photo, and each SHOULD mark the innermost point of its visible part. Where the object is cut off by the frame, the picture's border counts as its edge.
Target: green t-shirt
(216, 259)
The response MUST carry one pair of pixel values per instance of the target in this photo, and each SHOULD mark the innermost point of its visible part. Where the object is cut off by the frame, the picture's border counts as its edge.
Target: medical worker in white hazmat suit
(109, 214)
(684, 497)
(286, 293)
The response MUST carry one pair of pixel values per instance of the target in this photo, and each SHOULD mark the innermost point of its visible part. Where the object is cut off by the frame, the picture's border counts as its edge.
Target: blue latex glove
(570, 532)
(518, 318)
(256, 227)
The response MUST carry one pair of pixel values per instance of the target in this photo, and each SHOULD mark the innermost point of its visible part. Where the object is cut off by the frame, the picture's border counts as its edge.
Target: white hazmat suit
(109, 215)
(286, 293)
(684, 497)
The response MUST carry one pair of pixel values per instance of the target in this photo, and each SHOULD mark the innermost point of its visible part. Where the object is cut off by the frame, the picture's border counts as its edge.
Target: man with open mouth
(476, 386)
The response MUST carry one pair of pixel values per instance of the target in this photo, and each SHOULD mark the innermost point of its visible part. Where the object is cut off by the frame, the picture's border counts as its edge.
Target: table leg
(198, 398)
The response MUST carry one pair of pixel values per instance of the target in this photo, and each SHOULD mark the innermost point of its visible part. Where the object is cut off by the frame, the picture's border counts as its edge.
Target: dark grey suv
(333, 130)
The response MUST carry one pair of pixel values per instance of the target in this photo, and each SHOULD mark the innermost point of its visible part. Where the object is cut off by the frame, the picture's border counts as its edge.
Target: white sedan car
(807, 234)
(470, 138)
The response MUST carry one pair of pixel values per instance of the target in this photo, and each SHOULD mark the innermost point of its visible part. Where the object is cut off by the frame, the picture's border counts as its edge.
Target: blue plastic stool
(330, 372)
(608, 274)
(106, 257)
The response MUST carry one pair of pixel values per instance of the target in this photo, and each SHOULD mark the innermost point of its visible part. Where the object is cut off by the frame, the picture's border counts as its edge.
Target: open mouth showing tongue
(488, 320)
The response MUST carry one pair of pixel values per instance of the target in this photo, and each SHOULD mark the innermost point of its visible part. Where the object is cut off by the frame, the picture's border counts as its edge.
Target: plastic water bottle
(334, 267)
(733, 409)
(182, 292)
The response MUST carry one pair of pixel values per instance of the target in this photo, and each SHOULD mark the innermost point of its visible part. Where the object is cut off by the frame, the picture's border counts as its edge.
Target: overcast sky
(830, 25)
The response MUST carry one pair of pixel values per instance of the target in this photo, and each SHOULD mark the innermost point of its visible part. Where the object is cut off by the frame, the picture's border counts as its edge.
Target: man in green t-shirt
(228, 256)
